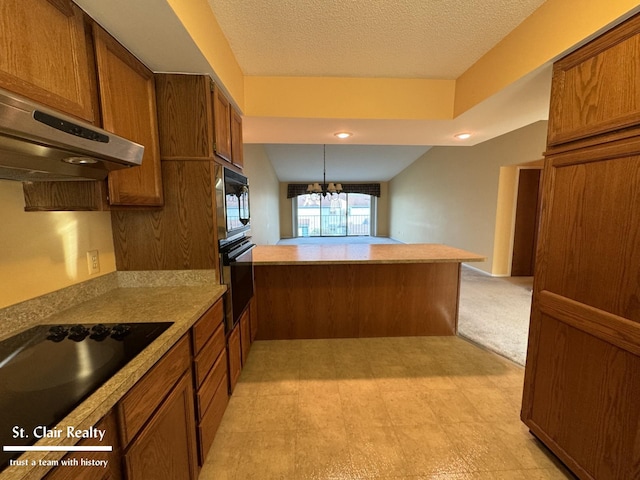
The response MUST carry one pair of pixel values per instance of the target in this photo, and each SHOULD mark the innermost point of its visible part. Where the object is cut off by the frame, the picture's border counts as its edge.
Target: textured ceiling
(366, 38)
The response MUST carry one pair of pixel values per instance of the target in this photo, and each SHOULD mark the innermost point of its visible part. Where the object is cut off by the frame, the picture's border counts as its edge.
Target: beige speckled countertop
(180, 304)
(360, 253)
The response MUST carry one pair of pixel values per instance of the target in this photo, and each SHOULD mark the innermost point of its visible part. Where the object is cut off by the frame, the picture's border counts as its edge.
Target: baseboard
(476, 269)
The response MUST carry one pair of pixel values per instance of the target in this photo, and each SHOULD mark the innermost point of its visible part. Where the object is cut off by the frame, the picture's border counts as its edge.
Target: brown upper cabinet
(196, 119)
(128, 103)
(236, 139)
(222, 124)
(594, 92)
(45, 56)
(53, 53)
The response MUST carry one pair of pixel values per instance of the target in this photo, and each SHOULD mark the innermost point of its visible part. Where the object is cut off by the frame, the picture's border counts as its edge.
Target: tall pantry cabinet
(582, 380)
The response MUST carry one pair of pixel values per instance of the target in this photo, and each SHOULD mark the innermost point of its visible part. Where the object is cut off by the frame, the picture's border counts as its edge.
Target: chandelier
(324, 189)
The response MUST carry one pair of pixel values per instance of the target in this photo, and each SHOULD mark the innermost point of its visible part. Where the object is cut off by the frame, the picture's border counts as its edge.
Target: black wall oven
(236, 272)
(236, 261)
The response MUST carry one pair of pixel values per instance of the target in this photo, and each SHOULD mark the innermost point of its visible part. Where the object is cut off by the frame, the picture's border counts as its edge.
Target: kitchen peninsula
(347, 291)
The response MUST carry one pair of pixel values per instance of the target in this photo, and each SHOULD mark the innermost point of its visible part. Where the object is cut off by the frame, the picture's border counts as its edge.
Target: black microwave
(232, 199)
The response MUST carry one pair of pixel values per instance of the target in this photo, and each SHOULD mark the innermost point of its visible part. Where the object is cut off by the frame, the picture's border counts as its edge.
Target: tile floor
(377, 408)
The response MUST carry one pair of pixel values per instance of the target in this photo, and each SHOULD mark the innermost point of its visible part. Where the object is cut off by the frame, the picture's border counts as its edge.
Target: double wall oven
(236, 261)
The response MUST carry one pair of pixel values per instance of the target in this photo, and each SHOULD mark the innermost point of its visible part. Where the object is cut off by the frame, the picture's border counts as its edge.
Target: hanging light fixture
(324, 189)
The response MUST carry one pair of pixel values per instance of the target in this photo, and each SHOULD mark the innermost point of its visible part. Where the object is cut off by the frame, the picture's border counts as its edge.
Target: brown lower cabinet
(157, 421)
(163, 428)
(79, 472)
(165, 448)
(235, 356)
(245, 335)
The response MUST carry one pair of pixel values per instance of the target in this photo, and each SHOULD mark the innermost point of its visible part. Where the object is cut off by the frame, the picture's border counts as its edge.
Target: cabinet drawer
(210, 385)
(206, 326)
(211, 421)
(207, 356)
(141, 401)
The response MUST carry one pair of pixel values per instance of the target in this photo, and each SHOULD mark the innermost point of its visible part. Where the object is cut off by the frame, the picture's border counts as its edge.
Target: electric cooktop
(48, 370)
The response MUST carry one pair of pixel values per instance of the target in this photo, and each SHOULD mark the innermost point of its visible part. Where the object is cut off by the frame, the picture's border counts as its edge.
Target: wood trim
(540, 270)
(597, 153)
(593, 141)
(606, 326)
(604, 42)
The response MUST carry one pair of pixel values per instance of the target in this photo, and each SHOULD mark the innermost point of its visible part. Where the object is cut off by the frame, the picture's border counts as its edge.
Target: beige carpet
(494, 312)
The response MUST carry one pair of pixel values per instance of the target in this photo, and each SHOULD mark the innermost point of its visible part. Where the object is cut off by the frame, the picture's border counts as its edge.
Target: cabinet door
(236, 139)
(180, 236)
(245, 335)
(128, 101)
(581, 380)
(185, 120)
(235, 357)
(596, 89)
(78, 472)
(222, 124)
(166, 448)
(253, 318)
(44, 54)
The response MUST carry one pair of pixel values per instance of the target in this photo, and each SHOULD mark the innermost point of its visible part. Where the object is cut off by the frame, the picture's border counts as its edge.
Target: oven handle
(232, 255)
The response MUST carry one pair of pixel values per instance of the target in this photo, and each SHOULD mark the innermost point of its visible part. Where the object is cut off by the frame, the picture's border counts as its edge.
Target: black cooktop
(48, 370)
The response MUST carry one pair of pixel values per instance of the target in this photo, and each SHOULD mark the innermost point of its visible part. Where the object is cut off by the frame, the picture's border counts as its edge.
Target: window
(333, 215)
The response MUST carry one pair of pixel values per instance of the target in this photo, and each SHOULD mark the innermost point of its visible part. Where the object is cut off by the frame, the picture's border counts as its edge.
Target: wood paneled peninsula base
(350, 291)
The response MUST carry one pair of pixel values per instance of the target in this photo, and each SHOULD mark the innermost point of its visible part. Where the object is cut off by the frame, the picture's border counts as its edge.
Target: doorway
(526, 222)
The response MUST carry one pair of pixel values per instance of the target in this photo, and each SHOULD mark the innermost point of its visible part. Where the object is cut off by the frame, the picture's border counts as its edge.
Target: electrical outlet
(93, 261)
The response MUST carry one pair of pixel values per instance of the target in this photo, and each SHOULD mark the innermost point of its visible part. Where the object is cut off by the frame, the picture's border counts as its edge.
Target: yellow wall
(328, 97)
(264, 195)
(556, 27)
(197, 17)
(41, 252)
(450, 194)
(552, 30)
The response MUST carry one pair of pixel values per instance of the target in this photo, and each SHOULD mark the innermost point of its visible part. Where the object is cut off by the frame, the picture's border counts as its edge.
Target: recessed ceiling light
(462, 136)
(343, 134)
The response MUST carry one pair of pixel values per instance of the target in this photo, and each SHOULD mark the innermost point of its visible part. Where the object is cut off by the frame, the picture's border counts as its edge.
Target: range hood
(40, 144)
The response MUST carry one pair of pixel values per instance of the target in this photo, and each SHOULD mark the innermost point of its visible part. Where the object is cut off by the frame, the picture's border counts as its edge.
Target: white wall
(264, 195)
(41, 252)
(450, 194)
